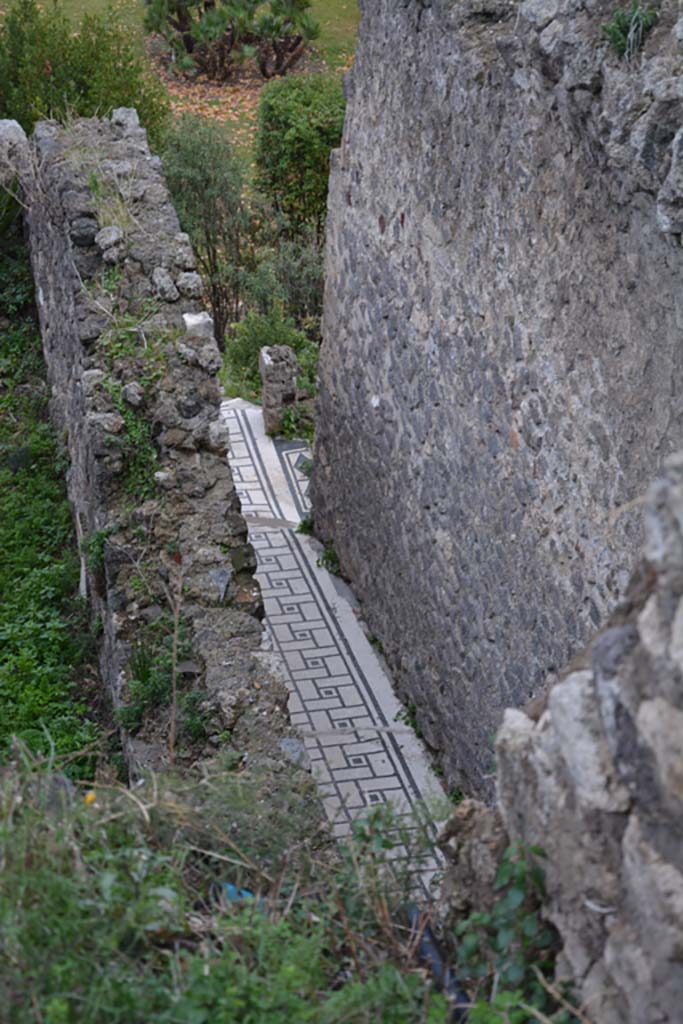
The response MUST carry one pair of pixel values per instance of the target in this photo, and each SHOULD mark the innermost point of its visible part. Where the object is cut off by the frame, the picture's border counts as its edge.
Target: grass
(44, 638)
(339, 28)
(132, 11)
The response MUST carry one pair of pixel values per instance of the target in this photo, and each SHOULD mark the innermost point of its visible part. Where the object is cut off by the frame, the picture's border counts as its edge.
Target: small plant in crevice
(93, 549)
(628, 27)
(506, 954)
(296, 425)
(140, 456)
(329, 559)
(306, 526)
(306, 467)
(376, 643)
(408, 714)
(128, 335)
(193, 716)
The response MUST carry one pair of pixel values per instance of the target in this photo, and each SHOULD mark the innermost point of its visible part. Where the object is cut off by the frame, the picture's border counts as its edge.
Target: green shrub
(206, 180)
(628, 28)
(291, 275)
(47, 70)
(300, 122)
(251, 335)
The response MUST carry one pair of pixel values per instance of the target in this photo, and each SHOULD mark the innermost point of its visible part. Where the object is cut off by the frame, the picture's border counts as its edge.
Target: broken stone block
(164, 286)
(190, 285)
(127, 119)
(133, 394)
(83, 231)
(279, 369)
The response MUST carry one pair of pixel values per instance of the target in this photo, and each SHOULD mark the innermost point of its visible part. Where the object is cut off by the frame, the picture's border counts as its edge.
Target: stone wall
(502, 360)
(597, 781)
(132, 364)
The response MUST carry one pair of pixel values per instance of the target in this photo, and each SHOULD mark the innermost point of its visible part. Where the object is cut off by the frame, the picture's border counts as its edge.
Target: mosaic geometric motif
(341, 700)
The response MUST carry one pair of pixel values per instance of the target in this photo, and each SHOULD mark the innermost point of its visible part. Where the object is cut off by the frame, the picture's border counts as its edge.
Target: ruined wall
(597, 781)
(132, 364)
(502, 358)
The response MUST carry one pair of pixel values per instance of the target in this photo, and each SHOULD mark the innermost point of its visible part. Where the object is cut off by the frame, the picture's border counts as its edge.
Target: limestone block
(110, 243)
(198, 325)
(661, 728)
(181, 252)
(575, 713)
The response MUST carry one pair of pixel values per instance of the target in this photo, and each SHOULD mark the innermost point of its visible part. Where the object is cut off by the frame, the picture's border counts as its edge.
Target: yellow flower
(90, 797)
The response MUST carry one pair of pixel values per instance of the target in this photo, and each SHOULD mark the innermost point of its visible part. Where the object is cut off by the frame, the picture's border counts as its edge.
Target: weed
(194, 716)
(127, 337)
(306, 467)
(150, 685)
(506, 951)
(296, 425)
(137, 584)
(16, 283)
(119, 906)
(628, 27)
(329, 560)
(138, 450)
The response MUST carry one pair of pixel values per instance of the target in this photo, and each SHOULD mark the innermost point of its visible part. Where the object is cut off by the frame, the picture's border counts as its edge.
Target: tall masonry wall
(502, 361)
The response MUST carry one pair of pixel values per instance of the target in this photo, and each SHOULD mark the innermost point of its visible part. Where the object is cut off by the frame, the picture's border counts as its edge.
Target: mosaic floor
(342, 701)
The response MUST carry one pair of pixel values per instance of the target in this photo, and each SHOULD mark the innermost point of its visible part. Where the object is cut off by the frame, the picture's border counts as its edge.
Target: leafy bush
(254, 333)
(628, 28)
(131, 906)
(47, 70)
(43, 632)
(206, 180)
(291, 275)
(300, 122)
(217, 38)
(508, 951)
